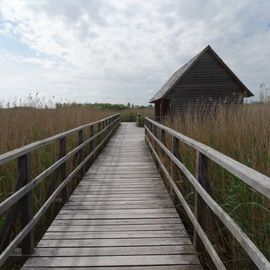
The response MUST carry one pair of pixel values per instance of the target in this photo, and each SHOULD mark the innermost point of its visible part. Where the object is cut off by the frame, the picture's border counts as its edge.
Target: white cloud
(120, 51)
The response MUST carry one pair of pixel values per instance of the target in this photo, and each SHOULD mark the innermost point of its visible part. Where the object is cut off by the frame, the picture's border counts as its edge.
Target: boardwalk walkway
(119, 217)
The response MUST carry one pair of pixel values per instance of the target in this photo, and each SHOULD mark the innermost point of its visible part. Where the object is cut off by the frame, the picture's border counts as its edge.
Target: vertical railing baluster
(13, 212)
(63, 167)
(80, 154)
(163, 141)
(199, 205)
(99, 129)
(174, 169)
(26, 203)
(162, 136)
(95, 142)
(91, 145)
(107, 130)
(104, 133)
(155, 133)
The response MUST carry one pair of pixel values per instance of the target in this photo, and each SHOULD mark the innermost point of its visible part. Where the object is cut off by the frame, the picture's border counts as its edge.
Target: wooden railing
(21, 201)
(155, 137)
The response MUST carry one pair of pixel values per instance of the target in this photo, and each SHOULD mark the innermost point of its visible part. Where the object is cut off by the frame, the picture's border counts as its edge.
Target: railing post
(162, 136)
(91, 144)
(63, 167)
(104, 133)
(155, 131)
(99, 137)
(139, 120)
(107, 130)
(174, 169)
(163, 141)
(147, 125)
(13, 212)
(175, 151)
(80, 153)
(199, 205)
(26, 203)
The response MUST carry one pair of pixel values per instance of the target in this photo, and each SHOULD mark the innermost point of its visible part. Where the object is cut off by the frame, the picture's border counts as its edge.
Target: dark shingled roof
(180, 73)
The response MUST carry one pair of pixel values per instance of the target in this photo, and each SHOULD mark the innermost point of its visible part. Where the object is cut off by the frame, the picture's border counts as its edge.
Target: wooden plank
(114, 228)
(127, 203)
(98, 222)
(116, 251)
(113, 235)
(115, 184)
(115, 242)
(123, 196)
(120, 212)
(100, 261)
(117, 216)
(117, 205)
(116, 192)
(117, 199)
(120, 187)
(146, 267)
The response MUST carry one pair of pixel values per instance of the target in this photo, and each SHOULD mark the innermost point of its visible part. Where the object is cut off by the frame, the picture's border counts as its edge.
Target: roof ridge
(177, 75)
(180, 73)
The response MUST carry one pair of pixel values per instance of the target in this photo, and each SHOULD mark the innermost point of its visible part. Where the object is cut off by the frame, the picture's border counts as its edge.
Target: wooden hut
(205, 80)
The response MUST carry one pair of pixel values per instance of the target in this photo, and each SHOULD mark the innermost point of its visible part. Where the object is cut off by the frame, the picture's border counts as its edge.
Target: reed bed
(242, 133)
(23, 122)
(21, 125)
(130, 115)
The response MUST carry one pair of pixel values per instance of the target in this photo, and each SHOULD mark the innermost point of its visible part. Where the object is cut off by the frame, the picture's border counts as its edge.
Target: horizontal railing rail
(21, 199)
(156, 133)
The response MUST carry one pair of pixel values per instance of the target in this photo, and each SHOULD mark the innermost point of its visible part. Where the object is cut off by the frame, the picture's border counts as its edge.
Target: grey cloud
(71, 11)
(124, 51)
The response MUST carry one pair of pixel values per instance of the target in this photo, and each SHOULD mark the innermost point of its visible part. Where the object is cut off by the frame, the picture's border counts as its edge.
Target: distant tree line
(102, 106)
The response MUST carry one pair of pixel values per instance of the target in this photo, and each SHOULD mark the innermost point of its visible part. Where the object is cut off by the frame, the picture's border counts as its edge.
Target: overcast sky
(124, 51)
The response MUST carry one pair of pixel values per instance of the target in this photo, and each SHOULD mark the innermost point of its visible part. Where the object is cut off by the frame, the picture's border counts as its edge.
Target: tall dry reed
(24, 123)
(242, 133)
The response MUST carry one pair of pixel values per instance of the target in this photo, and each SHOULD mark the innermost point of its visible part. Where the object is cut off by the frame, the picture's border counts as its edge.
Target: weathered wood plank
(115, 228)
(146, 267)
(110, 251)
(116, 205)
(97, 222)
(108, 235)
(114, 242)
(114, 260)
(117, 216)
(119, 212)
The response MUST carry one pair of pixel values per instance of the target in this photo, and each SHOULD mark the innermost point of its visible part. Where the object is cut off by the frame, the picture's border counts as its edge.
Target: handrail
(200, 184)
(28, 187)
(104, 130)
(255, 179)
(13, 154)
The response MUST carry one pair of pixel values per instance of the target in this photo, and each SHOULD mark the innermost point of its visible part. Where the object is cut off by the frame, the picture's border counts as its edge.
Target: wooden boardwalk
(119, 217)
